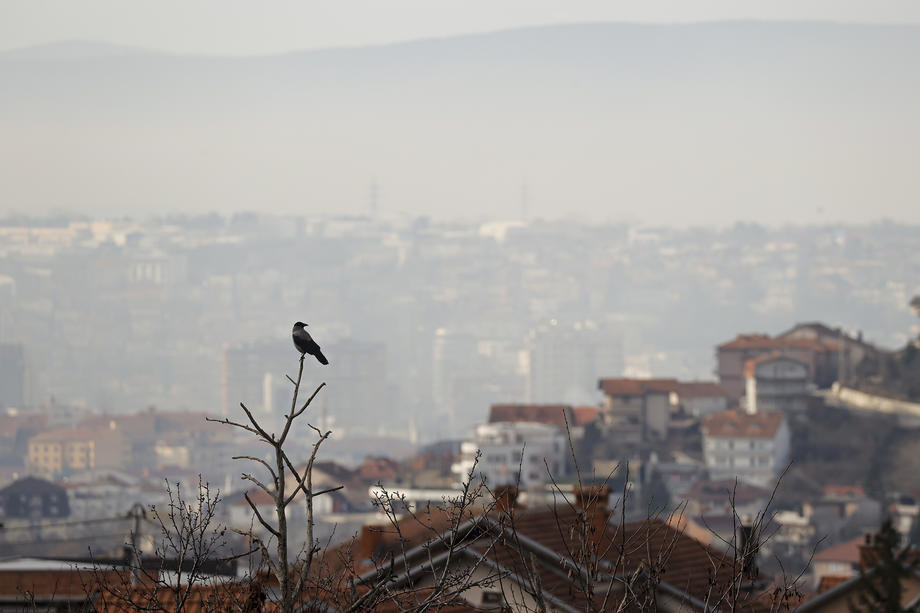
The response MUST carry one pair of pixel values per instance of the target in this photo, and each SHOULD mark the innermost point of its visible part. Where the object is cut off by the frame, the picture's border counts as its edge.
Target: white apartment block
(752, 447)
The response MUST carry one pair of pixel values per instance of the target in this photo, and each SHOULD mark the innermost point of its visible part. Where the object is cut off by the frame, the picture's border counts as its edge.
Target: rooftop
(764, 341)
(552, 414)
(743, 425)
(636, 387)
(848, 551)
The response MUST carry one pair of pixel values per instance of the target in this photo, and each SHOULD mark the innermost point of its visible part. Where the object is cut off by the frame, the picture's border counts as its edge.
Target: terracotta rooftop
(744, 425)
(847, 551)
(844, 491)
(763, 341)
(585, 415)
(636, 387)
(552, 414)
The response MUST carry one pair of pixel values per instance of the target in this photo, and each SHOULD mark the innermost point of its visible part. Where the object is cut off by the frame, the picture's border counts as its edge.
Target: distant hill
(689, 124)
(72, 50)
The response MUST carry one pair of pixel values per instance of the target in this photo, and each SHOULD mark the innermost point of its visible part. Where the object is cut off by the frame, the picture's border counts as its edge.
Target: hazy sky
(244, 27)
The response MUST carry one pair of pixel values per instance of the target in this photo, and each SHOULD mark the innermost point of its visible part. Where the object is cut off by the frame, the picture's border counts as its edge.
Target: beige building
(63, 450)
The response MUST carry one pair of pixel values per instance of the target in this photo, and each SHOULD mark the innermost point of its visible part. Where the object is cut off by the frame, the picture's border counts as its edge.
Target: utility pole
(137, 513)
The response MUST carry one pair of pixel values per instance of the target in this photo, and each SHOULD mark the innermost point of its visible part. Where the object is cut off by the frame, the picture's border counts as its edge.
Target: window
(489, 597)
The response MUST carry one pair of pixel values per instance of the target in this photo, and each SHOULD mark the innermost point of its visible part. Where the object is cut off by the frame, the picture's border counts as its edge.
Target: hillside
(681, 123)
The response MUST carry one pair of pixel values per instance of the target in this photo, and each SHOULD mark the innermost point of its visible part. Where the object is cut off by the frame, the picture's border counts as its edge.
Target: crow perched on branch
(305, 343)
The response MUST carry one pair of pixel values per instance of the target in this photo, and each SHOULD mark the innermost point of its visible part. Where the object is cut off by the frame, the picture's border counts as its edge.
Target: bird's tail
(322, 359)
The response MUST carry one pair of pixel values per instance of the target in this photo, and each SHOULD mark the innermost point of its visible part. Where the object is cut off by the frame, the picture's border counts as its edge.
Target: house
(733, 355)
(842, 512)
(647, 402)
(701, 398)
(851, 349)
(752, 447)
(378, 468)
(724, 498)
(41, 584)
(519, 559)
(841, 560)
(775, 382)
(64, 450)
(558, 415)
(33, 498)
(858, 562)
(518, 453)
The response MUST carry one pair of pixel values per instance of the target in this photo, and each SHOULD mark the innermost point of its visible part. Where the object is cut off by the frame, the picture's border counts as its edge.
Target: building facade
(517, 453)
(775, 382)
(752, 447)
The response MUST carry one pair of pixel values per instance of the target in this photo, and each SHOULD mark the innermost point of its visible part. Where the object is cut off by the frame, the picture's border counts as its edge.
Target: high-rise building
(248, 369)
(566, 361)
(356, 396)
(12, 375)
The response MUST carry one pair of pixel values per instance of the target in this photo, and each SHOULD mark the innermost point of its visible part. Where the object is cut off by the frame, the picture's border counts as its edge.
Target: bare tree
(187, 541)
(284, 485)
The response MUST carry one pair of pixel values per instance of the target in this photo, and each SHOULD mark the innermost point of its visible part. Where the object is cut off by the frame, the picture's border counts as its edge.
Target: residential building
(842, 512)
(751, 447)
(515, 452)
(537, 560)
(851, 349)
(775, 382)
(723, 498)
(839, 591)
(701, 398)
(732, 357)
(647, 402)
(33, 498)
(64, 450)
(841, 560)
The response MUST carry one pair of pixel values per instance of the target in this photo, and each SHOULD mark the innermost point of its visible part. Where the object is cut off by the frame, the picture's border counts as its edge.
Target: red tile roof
(763, 341)
(738, 424)
(585, 415)
(847, 551)
(552, 414)
(636, 387)
(844, 491)
(651, 546)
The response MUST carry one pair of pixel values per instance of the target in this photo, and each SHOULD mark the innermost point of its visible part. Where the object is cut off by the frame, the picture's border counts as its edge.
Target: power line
(51, 526)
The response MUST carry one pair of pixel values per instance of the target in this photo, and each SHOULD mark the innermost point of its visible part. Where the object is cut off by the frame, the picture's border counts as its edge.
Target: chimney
(748, 548)
(592, 501)
(868, 555)
(505, 498)
(371, 539)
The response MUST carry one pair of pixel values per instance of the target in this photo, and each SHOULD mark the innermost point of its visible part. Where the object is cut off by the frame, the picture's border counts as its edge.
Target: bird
(305, 343)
